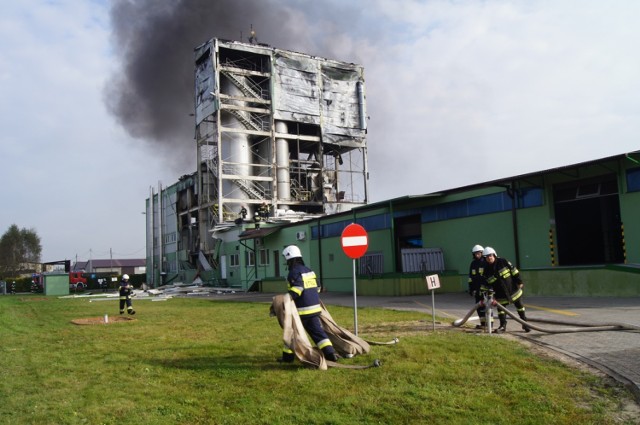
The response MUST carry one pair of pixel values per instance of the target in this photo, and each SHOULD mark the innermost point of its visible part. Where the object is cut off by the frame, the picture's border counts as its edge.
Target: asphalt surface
(614, 352)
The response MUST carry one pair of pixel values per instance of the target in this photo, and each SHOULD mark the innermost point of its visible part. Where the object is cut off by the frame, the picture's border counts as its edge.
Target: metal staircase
(250, 187)
(249, 90)
(249, 122)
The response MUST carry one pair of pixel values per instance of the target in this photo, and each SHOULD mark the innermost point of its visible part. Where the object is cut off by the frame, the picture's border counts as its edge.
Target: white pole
(355, 300)
(433, 309)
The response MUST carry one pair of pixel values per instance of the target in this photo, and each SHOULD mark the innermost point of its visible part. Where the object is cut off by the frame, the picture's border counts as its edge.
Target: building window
(633, 180)
(251, 258)
(375, 222)
(371, 223)
(263, 256)
(495, 202)
(234, 260)
(170, 238)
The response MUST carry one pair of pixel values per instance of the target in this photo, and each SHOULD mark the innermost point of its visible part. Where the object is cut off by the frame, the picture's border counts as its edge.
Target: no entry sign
(354, 241)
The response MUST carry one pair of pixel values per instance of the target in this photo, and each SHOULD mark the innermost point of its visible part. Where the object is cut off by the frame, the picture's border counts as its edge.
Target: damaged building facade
(280, 136)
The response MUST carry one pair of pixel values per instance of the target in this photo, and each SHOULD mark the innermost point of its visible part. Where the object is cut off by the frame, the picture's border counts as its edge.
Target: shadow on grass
(228, 364)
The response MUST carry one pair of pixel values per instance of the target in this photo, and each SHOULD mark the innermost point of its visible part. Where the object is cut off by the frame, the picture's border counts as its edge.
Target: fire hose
(577, 327)
(346, 344)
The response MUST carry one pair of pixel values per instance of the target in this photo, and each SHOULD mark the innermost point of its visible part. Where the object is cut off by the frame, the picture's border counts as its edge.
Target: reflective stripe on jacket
(503, 277)
(476, 269)
(303, 288)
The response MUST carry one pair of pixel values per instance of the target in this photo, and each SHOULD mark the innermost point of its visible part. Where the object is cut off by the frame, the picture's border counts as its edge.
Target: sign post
(354, 242)
(433, 282)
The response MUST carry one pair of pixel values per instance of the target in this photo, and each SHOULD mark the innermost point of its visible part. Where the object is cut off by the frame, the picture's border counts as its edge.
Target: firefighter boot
(330, 354)
(287, 356)
(524, 317)
(503, 325)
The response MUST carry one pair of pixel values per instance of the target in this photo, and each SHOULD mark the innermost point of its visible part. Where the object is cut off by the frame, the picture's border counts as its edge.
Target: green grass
(192, 361)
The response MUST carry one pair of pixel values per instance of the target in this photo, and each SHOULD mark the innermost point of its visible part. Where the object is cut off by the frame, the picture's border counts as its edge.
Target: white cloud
(482, 90)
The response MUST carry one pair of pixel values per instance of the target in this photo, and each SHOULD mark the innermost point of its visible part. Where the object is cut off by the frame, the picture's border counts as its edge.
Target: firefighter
(125, 295)
(303, 288)
(476, 281)
(504, 278)
(263, 211)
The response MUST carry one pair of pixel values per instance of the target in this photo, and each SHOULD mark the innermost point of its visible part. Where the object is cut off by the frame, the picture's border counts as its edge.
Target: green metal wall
(535, 235)
(630, 211)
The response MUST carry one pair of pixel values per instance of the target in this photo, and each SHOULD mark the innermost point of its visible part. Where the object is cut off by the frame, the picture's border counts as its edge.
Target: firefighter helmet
(291, 251)
(477, 248)
(489, 251)
(125, 277)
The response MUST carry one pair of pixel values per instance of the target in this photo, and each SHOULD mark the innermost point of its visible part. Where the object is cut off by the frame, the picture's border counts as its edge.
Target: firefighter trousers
(126, 300)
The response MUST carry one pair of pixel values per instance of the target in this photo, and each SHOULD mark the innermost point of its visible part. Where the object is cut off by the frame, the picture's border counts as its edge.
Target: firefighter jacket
(476, 278)
(125, 289)
(303, 288)
(504, 278)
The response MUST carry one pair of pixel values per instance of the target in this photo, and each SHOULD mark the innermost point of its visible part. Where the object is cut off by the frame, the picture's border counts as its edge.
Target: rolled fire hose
(295, 337)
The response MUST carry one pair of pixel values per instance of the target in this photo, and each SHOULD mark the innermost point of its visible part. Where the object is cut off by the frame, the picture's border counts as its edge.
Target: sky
(95, 97)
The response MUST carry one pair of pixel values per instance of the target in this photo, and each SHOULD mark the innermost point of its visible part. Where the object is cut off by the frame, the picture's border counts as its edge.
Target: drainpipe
(511, 191)
(392, 232)
(320, 255)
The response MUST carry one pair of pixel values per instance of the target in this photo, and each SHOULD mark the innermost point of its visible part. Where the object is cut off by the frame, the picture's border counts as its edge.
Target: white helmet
(125, 277)
(291, 251)
(489, 251)
(477, 248)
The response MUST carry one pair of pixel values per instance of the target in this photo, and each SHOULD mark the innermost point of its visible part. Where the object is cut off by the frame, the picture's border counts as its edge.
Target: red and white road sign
(354, 241)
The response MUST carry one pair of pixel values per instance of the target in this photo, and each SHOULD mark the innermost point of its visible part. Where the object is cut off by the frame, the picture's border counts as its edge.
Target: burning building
(277, 131)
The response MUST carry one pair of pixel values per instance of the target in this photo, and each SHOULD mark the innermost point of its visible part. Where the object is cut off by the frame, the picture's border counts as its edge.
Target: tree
(19, 249)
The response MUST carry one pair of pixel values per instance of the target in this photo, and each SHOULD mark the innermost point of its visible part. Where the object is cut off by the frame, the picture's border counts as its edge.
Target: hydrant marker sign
(433, 282)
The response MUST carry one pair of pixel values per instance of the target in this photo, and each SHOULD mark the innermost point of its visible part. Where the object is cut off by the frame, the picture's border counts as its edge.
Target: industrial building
(572, 230)
(280, 136)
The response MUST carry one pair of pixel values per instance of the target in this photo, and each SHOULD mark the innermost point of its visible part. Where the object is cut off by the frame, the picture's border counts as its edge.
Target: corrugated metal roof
(130, 262)
(257, 233)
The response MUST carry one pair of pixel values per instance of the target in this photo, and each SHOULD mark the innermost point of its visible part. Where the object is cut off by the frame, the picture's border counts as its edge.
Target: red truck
(77, 281)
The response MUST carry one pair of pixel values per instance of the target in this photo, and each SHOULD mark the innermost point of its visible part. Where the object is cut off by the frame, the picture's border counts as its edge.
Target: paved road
(616, 353)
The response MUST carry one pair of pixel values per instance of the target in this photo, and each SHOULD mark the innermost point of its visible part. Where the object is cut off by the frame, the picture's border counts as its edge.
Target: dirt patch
(100, 320)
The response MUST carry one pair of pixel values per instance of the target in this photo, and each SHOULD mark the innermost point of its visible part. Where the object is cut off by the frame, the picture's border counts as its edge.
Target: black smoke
(151, 94)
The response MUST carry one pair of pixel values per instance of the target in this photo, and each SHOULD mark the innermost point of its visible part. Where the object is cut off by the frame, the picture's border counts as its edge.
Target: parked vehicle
(77, 282)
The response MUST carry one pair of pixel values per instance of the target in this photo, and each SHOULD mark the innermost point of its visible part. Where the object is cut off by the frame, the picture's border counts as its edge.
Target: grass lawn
(197, 361)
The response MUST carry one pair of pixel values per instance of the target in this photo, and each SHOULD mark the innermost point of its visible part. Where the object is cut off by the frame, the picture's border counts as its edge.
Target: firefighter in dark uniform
(125, 295)
(263, 211)
(303, 288)
(476, 281)
(504, 278)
